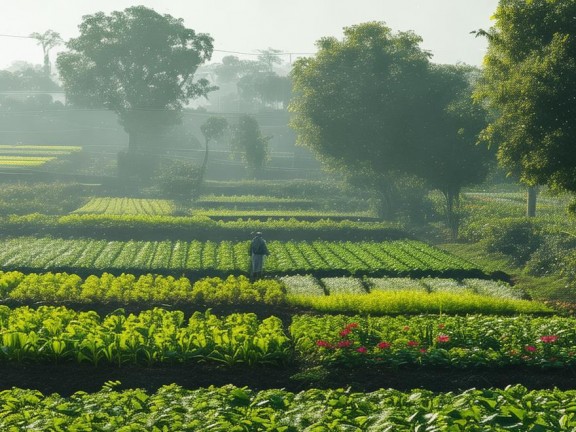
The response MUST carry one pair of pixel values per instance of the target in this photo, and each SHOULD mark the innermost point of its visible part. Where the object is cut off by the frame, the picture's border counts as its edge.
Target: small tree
(248, 142)
(212, 129)
(47, 40)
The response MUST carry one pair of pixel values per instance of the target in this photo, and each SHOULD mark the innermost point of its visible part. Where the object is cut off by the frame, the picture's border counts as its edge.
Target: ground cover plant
(233, 408)
(48, 198)
(127, 206)
(328, 259)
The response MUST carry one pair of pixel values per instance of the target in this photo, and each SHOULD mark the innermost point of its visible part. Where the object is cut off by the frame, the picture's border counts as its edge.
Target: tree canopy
(139, 64)
(529, 83)
(249, 143)
(372, 105)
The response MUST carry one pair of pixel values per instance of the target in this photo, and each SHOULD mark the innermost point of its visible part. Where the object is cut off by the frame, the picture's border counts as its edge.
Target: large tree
(362, 102)
(529, 83)
(139, 64)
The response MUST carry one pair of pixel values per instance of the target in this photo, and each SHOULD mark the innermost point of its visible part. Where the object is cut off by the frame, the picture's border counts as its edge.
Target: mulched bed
(66, 379)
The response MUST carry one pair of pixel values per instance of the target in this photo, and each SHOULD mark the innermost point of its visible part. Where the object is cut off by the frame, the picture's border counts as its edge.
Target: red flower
(362, 350)
(443, 338)
(323, 344)
(383, 345)
(422, 350)
(530, 348)
(344, 344)
(412, 343)
(352, 325)
(549, 339)
(345, 332)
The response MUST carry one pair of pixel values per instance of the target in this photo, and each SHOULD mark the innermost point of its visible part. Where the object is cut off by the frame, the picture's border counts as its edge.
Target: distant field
(127, 206)
(32, 155)
(28, 149)
(26, 161)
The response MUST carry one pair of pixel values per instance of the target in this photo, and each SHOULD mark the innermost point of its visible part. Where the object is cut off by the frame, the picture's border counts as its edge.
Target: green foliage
(237, 409)
(128, 206)
(249, 143)
(147, 289)
(57, 334)
(178, 179)
(379, 303)
(529, 84)
(47, 198)
(436, 340)
(329, 259)
(139, 64)
(517, 238)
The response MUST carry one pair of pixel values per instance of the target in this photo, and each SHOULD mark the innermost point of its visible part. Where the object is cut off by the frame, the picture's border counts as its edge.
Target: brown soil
(68, 378)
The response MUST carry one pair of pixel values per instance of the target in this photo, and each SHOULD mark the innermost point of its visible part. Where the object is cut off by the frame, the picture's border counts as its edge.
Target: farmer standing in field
(258, 250)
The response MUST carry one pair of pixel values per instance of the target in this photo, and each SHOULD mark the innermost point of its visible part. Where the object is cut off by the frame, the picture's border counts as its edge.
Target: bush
(552, 255)
(516, 238)
(178, 179)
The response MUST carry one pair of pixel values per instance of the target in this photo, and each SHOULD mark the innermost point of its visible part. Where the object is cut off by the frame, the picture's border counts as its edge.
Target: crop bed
(195, 258)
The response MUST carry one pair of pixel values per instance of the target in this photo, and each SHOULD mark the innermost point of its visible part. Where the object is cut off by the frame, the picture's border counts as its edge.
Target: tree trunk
(452, 217)
(531, 195)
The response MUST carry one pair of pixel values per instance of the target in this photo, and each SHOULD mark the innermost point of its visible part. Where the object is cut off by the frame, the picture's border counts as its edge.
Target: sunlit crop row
(58, 334)
(127, 206)
(292, 257)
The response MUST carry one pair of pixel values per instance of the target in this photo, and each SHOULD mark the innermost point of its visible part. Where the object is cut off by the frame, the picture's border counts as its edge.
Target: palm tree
(47, 40)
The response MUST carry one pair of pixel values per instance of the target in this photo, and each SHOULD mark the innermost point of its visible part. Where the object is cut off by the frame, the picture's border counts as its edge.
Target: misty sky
(246, 26)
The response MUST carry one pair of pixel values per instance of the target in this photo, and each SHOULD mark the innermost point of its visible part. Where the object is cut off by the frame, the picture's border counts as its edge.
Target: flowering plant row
(469, 341)
(233, 409)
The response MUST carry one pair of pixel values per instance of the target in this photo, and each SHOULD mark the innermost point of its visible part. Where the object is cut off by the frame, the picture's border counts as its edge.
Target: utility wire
(215, 50)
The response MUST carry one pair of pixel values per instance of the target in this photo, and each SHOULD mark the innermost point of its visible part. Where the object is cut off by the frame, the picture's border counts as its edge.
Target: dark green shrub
(517, 238)
(552, 255)
(178, 179)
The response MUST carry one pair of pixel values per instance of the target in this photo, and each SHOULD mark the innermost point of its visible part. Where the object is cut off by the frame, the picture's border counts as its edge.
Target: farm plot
(58, 334)
(437, 340)
(345, 294)
(32, 155)
(127, 206)
(321, 258)
(224, 408)
(24, 161)
(309, 215)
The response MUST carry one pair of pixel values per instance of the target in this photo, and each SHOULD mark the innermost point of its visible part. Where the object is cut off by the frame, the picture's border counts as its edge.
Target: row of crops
(127, 206)
(32, 155)
(157, 207)
(309, 285)
(239, 409)
(50, 334)
(128, 289)
(291, 257)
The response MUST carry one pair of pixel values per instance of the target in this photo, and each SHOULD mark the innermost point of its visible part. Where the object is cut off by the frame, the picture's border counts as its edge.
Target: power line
(215, 50)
